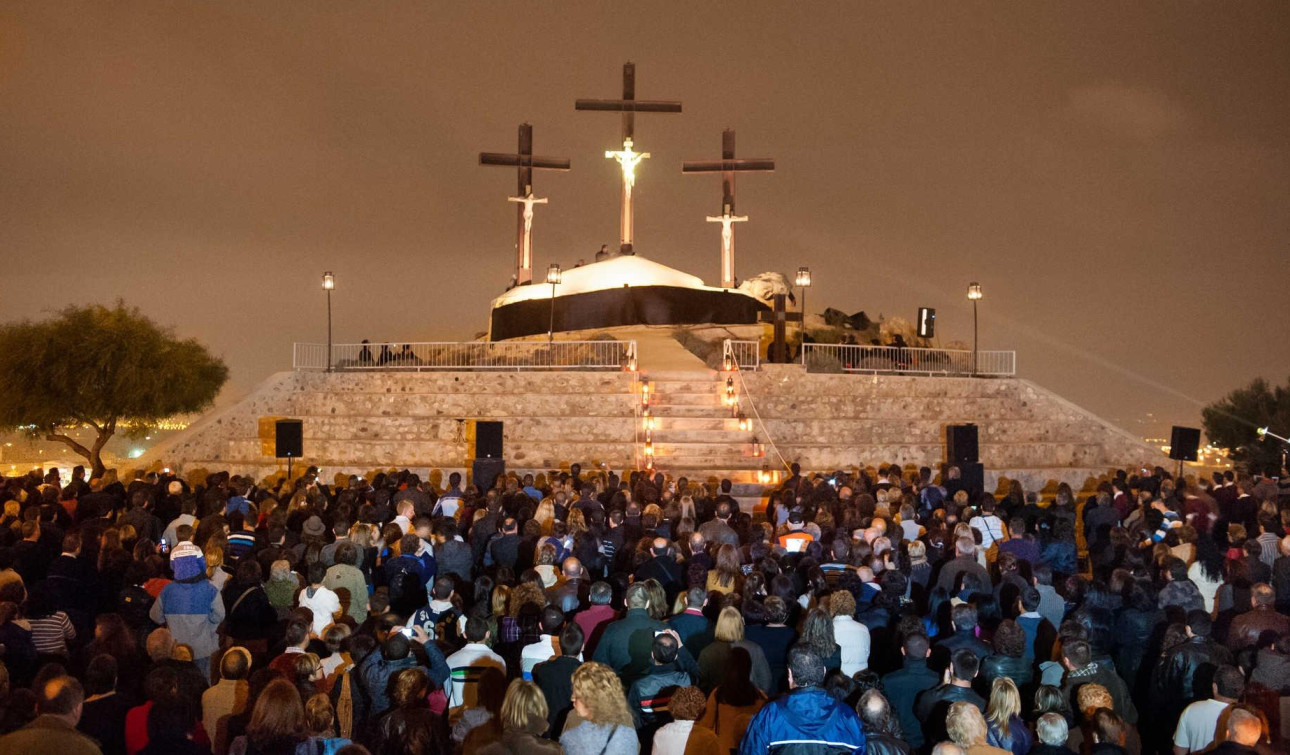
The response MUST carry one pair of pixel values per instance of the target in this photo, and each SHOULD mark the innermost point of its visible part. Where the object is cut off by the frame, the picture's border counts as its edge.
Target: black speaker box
(973, 476)
(1183, 443)
(288, 438)
(488, 440)
(960, 444)
(484, 472)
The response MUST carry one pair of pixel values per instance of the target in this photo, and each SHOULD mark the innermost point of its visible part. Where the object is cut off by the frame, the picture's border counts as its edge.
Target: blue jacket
(807, 721)
(193, 612)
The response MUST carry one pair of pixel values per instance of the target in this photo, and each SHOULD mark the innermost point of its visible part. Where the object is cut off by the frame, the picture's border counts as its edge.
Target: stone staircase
(694, 434)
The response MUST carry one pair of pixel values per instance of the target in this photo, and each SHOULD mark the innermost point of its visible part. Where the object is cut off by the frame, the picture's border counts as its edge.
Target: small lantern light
(974, 291)
(744, 424)
(649, 421)
(329, 281)
(804, 276)
(757, 449)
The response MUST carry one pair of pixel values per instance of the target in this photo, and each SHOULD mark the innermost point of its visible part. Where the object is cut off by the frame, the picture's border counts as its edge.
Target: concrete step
(687, 386)
(687, 399)
(689, 411)
(722, 423)
(679, 375)
(668, 435)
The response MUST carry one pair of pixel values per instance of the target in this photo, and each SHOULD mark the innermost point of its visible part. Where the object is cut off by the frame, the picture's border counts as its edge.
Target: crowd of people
(883, 611)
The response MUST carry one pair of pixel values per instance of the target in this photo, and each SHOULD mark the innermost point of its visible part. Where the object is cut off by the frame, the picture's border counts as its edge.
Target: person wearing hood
(190, 606)
(807, 716)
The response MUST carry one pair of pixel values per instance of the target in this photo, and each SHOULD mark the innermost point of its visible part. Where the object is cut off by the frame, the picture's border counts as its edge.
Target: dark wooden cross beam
(629, 105)
(525, 163)
(628, 158)
(778, 351)
(728, 166)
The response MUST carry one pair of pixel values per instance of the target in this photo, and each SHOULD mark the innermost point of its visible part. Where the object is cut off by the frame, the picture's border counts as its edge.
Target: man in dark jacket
(554, 677)
(452, 556)
(807, 716)
(1186, 671)
(1260, 622)
(691, 625)
(964, 618)
(572, 594)
(377, 669)
(663, 567)
(964, 562)
(649, 695)
(504, 549)
(626, 644)
(1081, 669)
(904, 686)
(880, 731)
(934, 704)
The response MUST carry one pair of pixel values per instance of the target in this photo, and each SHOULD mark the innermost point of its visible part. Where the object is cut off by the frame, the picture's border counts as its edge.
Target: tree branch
(60, 438)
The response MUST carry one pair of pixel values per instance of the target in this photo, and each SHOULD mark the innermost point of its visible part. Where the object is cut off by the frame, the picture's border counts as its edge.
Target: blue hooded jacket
(807, 721)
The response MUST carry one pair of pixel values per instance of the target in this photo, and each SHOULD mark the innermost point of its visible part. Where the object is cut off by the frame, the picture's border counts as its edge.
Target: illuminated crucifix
(727, 166)
(524, 160)
(628, 158)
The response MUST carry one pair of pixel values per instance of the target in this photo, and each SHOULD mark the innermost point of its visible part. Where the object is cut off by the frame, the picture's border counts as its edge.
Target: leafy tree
(108, 368)
(1233, 423)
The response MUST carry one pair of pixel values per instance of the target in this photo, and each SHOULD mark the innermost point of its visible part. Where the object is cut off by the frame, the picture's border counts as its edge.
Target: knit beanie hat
(187, 561)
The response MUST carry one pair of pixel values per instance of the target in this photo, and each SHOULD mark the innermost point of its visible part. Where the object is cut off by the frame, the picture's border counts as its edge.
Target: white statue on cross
(528, 200)
(727, 219)
(628, 159)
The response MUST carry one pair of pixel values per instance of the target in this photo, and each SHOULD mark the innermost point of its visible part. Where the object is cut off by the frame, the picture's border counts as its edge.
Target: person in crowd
(524, 719)
(932, 706)
(1006, 729)
(1198, 725)
(882, 731)
(227, 697)
(807, 715)
(1050, 732)
(605, 725)
(903, 686)
(734, 703)
(966, 727)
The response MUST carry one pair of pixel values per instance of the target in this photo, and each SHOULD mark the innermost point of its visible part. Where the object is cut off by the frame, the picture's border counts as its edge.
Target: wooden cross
(778, 351)
(627, 157)
(727, 166)
(525, 163)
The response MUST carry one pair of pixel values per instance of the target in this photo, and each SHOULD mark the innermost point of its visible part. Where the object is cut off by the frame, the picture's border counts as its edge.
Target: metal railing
(475, 355)
(746, 355)
(819, 357)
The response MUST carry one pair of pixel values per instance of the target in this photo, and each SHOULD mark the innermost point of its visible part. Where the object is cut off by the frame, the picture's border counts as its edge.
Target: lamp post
(803, 282)
(974, 293)
(329, 283)
(552, 277)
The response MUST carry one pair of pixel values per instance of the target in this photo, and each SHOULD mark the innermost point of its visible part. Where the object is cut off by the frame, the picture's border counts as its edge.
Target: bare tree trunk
(94, 454)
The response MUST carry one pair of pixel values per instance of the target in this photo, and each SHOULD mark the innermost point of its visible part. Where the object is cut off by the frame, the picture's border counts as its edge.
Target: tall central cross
(727, 166)
(628, 158)
(525, 162)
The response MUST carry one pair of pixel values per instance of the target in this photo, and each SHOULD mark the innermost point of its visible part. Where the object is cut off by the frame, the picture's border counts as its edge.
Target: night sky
(1116, 175)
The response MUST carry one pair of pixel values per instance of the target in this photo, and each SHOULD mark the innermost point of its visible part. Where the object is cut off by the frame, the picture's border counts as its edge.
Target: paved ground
(659, 352)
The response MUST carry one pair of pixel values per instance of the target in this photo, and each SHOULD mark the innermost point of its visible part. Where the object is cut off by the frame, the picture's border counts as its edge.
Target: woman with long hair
(1006, 730)
(817, 636)
(734, 702)
(728, 635)
(524, 719)
(600, 702)
(1207, 571)
(725, 577)
(277, 724)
